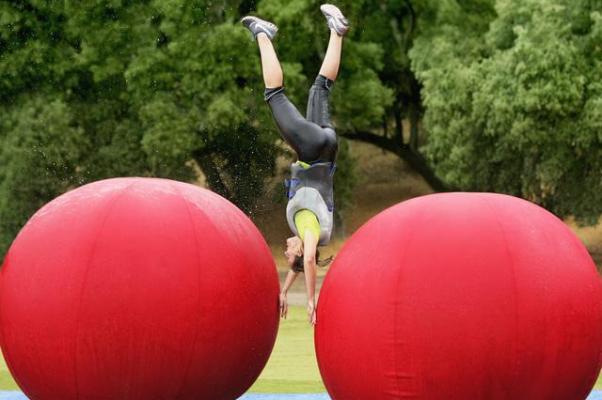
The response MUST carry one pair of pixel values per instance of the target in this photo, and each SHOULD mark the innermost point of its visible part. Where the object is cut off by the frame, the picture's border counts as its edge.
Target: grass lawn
(6, 380)
(292, 368)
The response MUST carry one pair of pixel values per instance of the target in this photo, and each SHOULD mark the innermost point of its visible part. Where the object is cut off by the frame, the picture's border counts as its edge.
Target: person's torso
(319, 176)
(311, 188)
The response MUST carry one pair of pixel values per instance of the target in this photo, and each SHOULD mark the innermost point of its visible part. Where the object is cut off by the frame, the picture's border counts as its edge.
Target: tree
(387, 32)
(90, 90)
(521, 113)
(503, 98)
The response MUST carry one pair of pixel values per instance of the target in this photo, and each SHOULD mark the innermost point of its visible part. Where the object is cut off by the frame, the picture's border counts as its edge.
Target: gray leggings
(313, 138)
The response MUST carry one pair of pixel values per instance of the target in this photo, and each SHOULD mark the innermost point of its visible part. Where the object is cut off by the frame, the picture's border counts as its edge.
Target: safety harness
(311, 189)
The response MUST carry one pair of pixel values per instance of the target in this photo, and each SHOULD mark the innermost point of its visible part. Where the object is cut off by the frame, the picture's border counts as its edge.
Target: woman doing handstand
(310, 206)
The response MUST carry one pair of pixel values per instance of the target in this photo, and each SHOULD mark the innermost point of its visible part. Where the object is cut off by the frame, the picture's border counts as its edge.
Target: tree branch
(412, 18)
(416, 160)
(369, 137)
(403, 41)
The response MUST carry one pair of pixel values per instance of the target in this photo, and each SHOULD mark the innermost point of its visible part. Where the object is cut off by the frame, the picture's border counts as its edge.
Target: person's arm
(310, 244)
(290, 278)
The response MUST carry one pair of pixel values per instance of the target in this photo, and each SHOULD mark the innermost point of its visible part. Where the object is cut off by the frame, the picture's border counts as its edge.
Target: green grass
(292, 367)
(6, 380)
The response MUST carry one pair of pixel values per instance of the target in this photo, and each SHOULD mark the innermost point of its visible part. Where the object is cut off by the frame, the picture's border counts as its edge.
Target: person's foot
(335, 18)
(258, 25)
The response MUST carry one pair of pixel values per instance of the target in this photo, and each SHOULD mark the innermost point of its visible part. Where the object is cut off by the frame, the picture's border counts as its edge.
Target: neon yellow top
(305, 219)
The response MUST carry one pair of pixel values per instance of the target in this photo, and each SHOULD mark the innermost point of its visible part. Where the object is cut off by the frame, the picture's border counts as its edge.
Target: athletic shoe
(257, 25)
(335, 18)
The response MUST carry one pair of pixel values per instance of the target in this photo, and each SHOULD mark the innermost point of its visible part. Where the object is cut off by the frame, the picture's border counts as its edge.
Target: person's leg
(332, 59)
(264, 32)
(270, 66)
(317, 103)
(318, 113)
(306, 138)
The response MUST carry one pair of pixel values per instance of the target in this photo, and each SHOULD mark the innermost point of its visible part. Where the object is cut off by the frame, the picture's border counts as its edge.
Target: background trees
(94, 90)
(475, 95)
(518, 109)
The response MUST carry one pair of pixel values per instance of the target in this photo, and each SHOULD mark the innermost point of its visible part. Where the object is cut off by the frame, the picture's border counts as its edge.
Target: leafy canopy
(515, 106)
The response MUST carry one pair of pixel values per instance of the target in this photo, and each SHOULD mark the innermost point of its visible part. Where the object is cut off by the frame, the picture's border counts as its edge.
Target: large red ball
(461, 296)
(138, 289)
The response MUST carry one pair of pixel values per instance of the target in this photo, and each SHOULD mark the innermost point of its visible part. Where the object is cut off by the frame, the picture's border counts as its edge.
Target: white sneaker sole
(329, 9)
(332, 12)
(266, 26)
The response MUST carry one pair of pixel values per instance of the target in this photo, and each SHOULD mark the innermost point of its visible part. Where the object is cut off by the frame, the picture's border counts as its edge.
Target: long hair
(298, 263)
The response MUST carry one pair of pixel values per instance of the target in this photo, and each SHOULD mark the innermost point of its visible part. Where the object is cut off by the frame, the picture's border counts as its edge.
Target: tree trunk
(212, 174)
(414, 119)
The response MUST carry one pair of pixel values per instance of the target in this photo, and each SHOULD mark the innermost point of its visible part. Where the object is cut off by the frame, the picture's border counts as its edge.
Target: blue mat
(595, 395)
(257, 396)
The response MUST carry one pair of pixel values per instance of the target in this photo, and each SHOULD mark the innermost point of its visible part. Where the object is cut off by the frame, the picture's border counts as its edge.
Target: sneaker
(335, 18)
(257, 25)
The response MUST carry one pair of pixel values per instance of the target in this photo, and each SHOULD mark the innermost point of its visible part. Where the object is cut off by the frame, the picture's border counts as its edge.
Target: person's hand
(311, 312)
(283, 305)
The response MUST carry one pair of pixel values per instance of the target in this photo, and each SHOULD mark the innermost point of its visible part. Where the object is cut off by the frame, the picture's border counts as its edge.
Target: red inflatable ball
(461, 296)
(138, 288)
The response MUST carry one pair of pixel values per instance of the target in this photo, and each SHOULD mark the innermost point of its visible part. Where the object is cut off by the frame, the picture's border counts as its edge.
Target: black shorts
(313, 138)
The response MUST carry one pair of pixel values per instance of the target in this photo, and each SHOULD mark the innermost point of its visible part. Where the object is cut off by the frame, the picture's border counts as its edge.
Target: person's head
(294, 250)
(294, 254)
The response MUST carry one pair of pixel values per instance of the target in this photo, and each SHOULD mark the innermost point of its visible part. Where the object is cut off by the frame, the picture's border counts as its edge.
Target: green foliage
(509, 94)
(30, 149)
(519, 113)
(360, 97)
(90, 90)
